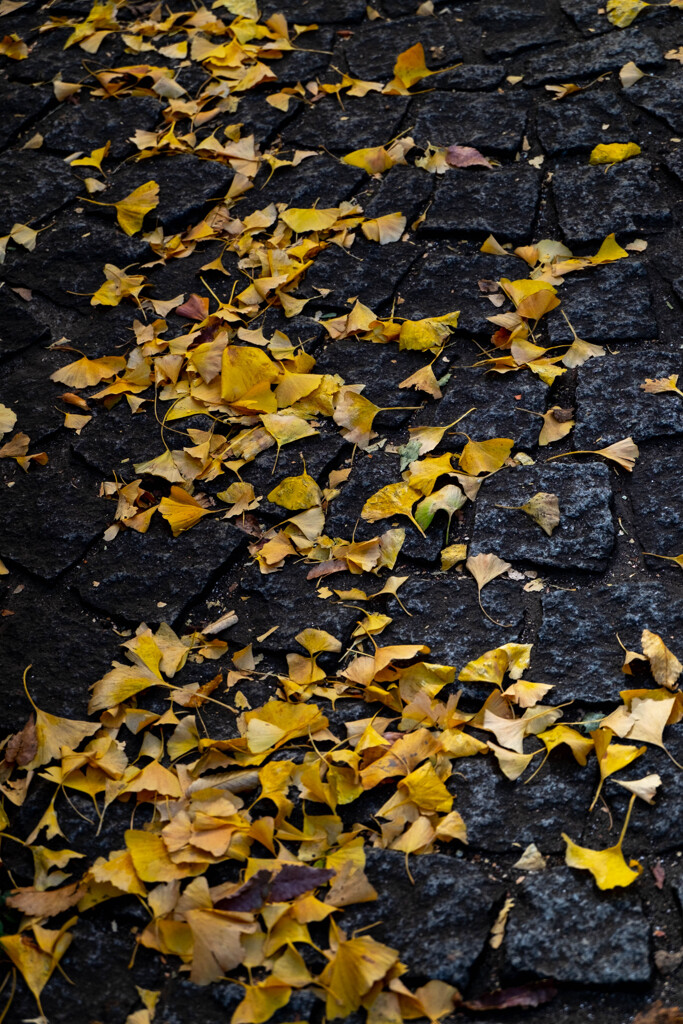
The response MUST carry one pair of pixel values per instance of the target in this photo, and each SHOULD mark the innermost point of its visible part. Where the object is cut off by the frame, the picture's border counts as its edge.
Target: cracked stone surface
(482, 201)
(615, 306)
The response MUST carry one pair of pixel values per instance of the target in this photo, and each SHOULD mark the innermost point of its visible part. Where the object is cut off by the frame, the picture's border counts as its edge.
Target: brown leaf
(22, 746)
(465, 156)
(36, 903)
(523, 996)
(659, 1014)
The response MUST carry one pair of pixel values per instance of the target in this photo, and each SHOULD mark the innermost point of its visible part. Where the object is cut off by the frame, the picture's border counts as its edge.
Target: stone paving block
(25, 387)
(470, 77)
(446, 616)
(370, 272)
(611, 303)
(583, 540)
(98, 122)
(653, 829)
(630, 411)
(320, 11)
(66, 265)
(18, 327)
(368, 121)
(674, 162)
(185, 186)
(403, 189)
(372, 51)
(577, 123)
(662, 97)
(307, 63)
(535, 812)
(577, 650)
(656, 493)
(477, 201)
(497, 407)
(584, 13)
(446, 279)
(136, 572)
(115, 440)
(439, 924)
(593, 57)
(257, 118)
(562, 927)
(69, 650)
(50, 515)
(493, 124)
(509, 27)
(39, 184)
(320, 180)
(21, 105)
(591, 203)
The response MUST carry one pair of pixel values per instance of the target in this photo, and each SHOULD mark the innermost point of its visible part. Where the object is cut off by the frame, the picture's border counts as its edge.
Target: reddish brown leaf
(465, 156)
(508, 998)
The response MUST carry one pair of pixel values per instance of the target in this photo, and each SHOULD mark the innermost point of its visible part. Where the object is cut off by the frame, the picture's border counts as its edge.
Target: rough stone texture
(577, 124)
(478, 201)
(594, 57)
(470, 77)
(585, 14)
(509, 27)
(493, 124)
(50, 515)
(18, 327)
(21, 104)
(577, 650)
(150, 577)
(321, 181)
(370, 121)
(372, 51)
(372, 273)
(614, 302)
(439, 924)
(404, 189)
(40, 184)
(497, 411)
(657, 500)
(66, 129)
(585, 536)
(592, 203)
(562, 928)
(662, 97)
(445, 615)
(630, 411)
(539, 810)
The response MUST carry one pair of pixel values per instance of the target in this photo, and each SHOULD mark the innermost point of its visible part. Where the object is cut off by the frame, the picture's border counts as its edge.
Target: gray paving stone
(613, 303)
(583, 540)
(21, 104)
(372, 51)
(491, 123)
(406, 189)
(630, 411)
(587, 59)
(439, 924)
(369, 271)
(584, 13)
(577, 123)
(321, 181)
(478, 201)
(509, 27)
(50, 515)
(470, 77)
(657, 499)
(497, 407)
(577, 650)
(562, 927)
(592, 202)
(96, 122)
(39, 184)
(537, 812)
(368, 121)
(446, 616)
(320, 10)
(662, 97)
(137, 571)
(18, 327)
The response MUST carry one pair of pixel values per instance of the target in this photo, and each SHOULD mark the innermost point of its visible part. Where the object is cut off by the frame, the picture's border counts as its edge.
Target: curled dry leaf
(543, 508)
(465, 156)
(664, 665)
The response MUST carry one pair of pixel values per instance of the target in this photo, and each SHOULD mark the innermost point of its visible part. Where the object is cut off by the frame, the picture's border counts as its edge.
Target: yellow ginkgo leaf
(612, 757)
(664, 665)
(181, 511)
(423, 474)
(543, 508)
(374, 160)
(85, 373)
(118, 285)
(36, 958)
(95, 159)
(484, 568)
(131, 211)
(310, 219)
(52, 733)
(485, 456)
(8, 418)
(614, 152)
(246, 377)
(285, 428)
(393, 500)
(608, 867)
(661, 384)
(622, 12)
(388, 228)
(512, 764)
(296, 492)
(355, 414)
(625, 452)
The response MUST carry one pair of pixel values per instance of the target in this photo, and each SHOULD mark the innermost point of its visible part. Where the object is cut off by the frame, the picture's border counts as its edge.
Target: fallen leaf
(465, 156)
(485, 568)
(614, 152)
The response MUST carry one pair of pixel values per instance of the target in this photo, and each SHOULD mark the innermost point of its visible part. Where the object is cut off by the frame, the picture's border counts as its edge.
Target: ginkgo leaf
(661, 384)
(117, 286)
(423, 380)
(388, 228)
(612, 757)
(466, 156)
(53, 733)
(543, 508)
(614, 152)
(8, 419)
(622, 12)
(644, 788)
(181, 511)
(512, 764)
(374, 160)
(484, 568)
(485, 456)
(354, 966)
(448, 499)
(557, 423)
(580, 351)
(131, 211)
(664, 665)
(36, 958)
(310, 219)
(624, 452)
(85, 373)
(423, 474)
(393, 500)
(296, 492)
(286, 428)
(608, 867)
(355, 414)
(452, 555)
(95, 159)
